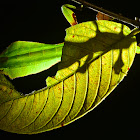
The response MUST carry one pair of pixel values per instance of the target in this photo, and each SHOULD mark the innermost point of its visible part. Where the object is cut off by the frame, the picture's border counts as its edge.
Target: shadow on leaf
(96, 47)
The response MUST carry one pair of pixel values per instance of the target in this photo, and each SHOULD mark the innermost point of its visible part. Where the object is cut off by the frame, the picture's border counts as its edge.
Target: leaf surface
(138, 49)
(23, 58)
(96, 57)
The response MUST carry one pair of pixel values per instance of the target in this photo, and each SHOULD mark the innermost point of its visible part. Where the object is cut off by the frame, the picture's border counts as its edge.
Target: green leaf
(138, 49)
(96, 57)
(69, 14)
(23, 58)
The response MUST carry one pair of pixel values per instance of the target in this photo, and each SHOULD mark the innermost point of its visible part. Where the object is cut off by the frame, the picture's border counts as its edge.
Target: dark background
(116, 117)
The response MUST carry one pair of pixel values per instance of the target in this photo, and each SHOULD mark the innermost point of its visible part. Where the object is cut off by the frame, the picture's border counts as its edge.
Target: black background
(116, 117)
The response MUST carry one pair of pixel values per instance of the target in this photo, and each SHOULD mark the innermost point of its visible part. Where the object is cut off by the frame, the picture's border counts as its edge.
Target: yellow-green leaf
(96, 57)
(138, 49)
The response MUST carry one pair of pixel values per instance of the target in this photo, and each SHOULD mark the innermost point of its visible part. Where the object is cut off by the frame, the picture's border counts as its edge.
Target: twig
(108, 13)
(135, 31)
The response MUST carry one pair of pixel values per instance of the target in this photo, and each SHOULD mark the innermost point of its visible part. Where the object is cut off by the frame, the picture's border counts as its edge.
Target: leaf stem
(135, 31)
(108, 13)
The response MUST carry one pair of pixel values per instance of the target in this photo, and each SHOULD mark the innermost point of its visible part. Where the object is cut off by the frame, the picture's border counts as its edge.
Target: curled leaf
(69, 14)
(96, 57)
